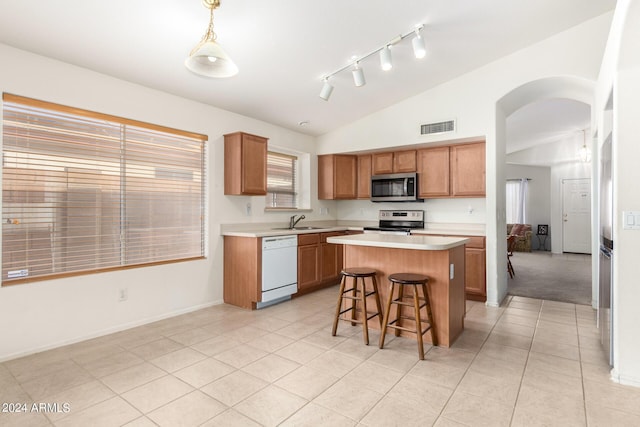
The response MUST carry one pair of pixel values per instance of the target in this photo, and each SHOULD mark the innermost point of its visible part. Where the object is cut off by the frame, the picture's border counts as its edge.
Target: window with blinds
(282, 190)
(85, 192)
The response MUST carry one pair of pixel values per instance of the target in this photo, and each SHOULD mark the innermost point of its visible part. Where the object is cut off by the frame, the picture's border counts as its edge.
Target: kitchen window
(86, 192)
(282, 182)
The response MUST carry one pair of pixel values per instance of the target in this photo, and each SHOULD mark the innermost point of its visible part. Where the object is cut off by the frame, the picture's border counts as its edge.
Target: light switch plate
(451, 272)
(631, 220)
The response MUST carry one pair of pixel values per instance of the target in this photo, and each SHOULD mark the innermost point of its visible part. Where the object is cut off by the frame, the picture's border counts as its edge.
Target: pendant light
(326, 90)
(419, 51)
(358, 75)
(385, 58)
(585, 152)
(207, 58)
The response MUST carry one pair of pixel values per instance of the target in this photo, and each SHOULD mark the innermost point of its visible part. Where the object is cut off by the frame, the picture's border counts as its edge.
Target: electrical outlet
(123, 294)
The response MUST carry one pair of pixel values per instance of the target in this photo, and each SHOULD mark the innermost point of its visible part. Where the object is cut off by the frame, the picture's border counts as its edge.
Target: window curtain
(516, 201)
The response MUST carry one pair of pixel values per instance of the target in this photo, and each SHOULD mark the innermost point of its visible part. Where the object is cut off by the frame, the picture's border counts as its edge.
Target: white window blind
(85, 192)
(282, 191)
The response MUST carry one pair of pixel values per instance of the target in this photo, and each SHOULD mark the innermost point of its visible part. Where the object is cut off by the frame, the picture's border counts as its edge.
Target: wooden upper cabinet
(364, 177)
(245, 164)
(404, 161)
(394, 162)
(337, 176)
(468, 173)
(433, 172)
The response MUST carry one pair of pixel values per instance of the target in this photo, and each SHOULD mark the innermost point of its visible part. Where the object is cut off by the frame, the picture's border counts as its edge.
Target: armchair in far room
(523, 233)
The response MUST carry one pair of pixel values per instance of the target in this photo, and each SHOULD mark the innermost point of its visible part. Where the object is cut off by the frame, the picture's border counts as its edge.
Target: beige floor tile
(141, 422)
(504, 353)
(558, 336)
(501, 389)
(192, 336)
(312, 415)
(470, 340)
(234, 387)
(348, 399)
(270, 406)
(90, 353)
(514, 328)
(297, 331)
(336, 363)
(446, 422)
(245, 333)
(23, 419)
(56, 382)
(189, 410)
(324, 339)
(513, 311)
(79, 398)
(270, 323)
(111, 364)
(395, 411)
(306, 382)
(613, 396)
(518, 320)
(230, 418)
(32, 367)
(374, 377)
(477, 411)
(178, 359)
(447, 375)
(429, 396)
(271, 342)
(398, 360)
(510, 340)
(156, 348)
(553, 382)
(556, 349)
(300, 351)
(601, 416)
(113, 412)
(541, 407)
(133, 377)
(596, 372)
(271, 367)
(555, 364)
(215, 345)
(240, 356)
(488, 365)
(555, 326)
(152, 395)
(203, 372)
(593, 355)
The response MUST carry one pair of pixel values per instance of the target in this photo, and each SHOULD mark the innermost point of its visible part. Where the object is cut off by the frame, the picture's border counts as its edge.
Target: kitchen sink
(297, 228)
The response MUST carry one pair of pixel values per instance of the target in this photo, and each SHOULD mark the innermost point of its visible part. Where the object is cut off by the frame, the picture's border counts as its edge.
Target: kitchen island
(440, 258)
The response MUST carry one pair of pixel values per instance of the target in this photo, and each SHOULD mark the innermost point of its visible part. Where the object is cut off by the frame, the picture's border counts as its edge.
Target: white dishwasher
(279, 269)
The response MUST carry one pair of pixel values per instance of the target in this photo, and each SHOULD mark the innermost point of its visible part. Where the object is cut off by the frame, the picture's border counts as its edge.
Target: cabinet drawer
(308, 239)
(323, 236)
(475, 242)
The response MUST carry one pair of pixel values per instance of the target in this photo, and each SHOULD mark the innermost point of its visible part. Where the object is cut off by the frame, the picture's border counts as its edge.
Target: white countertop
(419, 242)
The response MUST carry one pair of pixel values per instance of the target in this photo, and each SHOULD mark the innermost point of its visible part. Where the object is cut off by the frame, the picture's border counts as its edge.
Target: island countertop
(418, 242)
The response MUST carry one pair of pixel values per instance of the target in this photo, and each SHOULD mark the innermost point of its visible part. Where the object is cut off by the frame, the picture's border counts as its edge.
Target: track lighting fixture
(358, 75)
(208, 59)
(386, 63)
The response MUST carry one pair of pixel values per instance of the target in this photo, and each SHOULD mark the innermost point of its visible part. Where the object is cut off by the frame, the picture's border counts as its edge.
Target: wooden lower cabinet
(475, 268)
(319, 262)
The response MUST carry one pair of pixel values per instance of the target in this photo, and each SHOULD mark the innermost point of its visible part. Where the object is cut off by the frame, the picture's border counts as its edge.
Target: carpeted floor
(556, 277)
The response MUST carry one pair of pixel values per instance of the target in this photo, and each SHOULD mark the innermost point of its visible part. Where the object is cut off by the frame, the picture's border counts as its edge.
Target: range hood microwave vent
(439, 127)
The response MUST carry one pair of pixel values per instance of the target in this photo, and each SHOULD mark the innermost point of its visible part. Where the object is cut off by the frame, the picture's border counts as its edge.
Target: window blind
(282, 189)
(85, 192)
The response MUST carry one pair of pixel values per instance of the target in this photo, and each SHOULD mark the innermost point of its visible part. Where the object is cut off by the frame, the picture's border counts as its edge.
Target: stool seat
(358, 272)
(408, 278)
(357, 294)
(418, 282)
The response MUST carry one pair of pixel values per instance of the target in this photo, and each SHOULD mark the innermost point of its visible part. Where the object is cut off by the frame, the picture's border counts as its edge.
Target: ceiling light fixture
(208, 59)
(386, 63)
(584, 152)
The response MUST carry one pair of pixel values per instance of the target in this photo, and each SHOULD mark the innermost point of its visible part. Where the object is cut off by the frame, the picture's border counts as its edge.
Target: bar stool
(358, 293)
(416, 281)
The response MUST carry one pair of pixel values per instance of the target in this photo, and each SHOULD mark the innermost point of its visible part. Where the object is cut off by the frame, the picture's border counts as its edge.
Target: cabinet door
(329, 258)
(345, 177)
(325, 177)
(468, 170)
(364, 177)
(474, 275)
(254, 165)
(404, 161)
(308, 268)
(382, 163)
(433, 172)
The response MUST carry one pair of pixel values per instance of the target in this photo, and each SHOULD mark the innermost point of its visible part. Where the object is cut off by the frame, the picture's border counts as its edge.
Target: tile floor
(531, 362)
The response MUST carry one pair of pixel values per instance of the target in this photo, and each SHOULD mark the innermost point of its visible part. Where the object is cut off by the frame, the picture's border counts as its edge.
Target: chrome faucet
(293, 221)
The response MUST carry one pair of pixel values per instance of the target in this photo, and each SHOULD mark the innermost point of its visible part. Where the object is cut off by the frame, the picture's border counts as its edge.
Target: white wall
(471, 99)
(620, 75)
(539, 197)
(49, 313)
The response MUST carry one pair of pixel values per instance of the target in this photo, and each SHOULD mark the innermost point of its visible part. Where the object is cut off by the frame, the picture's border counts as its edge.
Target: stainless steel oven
(397, 187)
(397, 222)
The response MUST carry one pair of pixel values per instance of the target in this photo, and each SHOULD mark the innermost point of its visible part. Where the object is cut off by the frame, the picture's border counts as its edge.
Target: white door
(576, 215)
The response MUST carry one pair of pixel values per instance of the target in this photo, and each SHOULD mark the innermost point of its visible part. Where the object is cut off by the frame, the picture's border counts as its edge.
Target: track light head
(417, 42)
(358, 76)
(326, 90)
(385, 58)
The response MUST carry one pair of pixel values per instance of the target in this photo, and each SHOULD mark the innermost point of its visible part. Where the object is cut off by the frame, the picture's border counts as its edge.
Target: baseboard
(624, 379)
(107, 331)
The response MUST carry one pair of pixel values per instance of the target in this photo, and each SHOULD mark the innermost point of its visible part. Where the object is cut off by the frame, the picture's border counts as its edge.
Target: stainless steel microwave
(396, 187)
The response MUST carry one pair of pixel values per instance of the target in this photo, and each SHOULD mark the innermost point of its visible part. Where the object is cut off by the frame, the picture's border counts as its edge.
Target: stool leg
(416, 305)
(377, 296)
(365, 324)
(434, 336)
(337, 316)
(354, 283)
(387, 309)
(399, 309)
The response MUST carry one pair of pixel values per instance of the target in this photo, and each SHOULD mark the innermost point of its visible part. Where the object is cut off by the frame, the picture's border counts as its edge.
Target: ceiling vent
(440, 127)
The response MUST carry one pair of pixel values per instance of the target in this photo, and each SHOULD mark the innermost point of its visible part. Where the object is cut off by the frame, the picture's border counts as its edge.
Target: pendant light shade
(419, 51)
(358, 76)
(208, 59)
(385, 58)
(326, 90)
